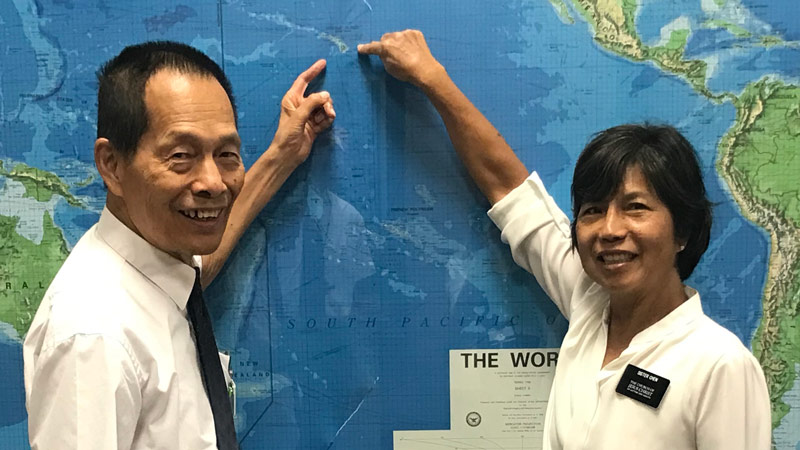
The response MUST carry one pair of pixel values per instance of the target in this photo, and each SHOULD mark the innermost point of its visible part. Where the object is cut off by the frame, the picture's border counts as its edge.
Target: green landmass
(40, 184)
(758, 159)
(26, 269)
(776, 343)
(677, 41)
(562, 11)
(335, 40)
(614, 25)
(86, 182)
(732, 28)
(742, 33)
(771, 41)
(765, 151)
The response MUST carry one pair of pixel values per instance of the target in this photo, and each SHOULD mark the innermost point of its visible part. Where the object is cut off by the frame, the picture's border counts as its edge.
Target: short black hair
(122, 116)
(668, 162)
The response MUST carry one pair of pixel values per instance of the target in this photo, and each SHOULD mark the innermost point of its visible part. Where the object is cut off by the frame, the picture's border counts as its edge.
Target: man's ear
(110, 164)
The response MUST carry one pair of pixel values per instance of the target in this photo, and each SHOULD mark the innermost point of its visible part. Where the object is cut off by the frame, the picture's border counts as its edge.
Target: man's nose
(208, 182)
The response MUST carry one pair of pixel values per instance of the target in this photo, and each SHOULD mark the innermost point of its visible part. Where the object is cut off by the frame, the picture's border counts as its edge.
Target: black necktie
(211, 369)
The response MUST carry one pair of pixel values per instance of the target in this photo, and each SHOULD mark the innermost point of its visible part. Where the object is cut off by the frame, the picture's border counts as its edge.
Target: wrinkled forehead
(172, 94)
(171, 85)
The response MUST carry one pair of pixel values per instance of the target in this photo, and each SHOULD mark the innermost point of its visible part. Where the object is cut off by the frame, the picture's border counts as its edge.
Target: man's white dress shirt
(717, 396)
(110, 359)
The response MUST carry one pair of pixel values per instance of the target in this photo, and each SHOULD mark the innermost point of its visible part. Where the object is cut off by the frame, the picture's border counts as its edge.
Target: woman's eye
(636, 205)
(589, 210)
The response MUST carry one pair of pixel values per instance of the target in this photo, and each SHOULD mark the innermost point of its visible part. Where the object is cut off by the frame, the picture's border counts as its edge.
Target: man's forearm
(261, 183)
(303, 118)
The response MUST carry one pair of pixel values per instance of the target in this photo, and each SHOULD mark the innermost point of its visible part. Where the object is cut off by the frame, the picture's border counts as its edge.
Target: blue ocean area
(647, 77)
(14, 437)
(785, 61)
(14, 83)
(603, 91)
(782, 15)
(12, 388)
(744, 66)
(729, 284)
(73, 221)
(14, 135)
(717, 40)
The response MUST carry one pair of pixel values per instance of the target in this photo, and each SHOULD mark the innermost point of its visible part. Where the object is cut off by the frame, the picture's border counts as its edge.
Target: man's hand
(406, 56)
(302, 118)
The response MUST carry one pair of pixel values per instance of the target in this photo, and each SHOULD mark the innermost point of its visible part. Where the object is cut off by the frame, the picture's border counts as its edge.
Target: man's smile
(202, 213)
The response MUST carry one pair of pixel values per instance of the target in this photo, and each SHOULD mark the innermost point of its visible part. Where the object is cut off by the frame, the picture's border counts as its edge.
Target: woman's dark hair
(668, 162)
(122, 116)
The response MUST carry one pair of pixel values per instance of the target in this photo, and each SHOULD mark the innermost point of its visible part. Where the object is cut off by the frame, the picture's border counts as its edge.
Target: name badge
(642, 386)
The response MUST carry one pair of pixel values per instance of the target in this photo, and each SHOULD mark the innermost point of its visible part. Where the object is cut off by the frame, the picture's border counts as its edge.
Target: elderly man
(121, 353)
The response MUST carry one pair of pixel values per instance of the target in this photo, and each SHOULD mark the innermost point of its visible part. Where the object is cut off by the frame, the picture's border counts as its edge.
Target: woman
(641, 366)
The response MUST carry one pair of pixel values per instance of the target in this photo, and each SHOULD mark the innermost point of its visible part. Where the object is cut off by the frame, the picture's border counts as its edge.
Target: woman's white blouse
(717, 397)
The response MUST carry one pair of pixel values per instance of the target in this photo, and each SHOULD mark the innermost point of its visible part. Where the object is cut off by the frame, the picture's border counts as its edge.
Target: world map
(343, 299)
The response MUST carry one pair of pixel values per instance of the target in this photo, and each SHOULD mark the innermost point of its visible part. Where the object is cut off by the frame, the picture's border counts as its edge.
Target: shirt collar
(675, 321)
(171, 275)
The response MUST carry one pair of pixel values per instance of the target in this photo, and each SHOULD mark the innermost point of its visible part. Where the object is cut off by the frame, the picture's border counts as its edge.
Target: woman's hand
(406, 56)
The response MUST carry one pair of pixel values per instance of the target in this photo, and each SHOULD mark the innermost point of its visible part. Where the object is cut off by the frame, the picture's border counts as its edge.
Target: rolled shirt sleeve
(86, 396)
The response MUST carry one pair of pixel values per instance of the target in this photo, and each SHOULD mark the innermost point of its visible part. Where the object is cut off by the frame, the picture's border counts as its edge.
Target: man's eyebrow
(185, 136)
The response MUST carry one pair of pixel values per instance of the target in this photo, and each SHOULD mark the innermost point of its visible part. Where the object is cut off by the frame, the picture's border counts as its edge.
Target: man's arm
(302, 120)
(486, 155)
(84, 393)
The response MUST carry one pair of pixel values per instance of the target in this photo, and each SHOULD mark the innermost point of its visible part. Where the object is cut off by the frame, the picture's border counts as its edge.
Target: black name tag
(642, 386)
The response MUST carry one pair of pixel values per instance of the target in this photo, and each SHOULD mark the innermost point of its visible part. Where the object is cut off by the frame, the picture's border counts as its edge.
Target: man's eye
(179, 156)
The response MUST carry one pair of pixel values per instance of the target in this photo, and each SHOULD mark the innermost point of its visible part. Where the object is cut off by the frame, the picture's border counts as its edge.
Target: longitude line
(221, 34)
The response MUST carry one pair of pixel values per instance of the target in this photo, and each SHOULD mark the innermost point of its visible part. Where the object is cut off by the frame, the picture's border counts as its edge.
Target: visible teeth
(617, 258)
(202, 213)
(208, 213)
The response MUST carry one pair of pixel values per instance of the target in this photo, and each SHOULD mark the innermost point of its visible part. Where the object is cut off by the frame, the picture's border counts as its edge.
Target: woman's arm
(490, 161)
(535, 228)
